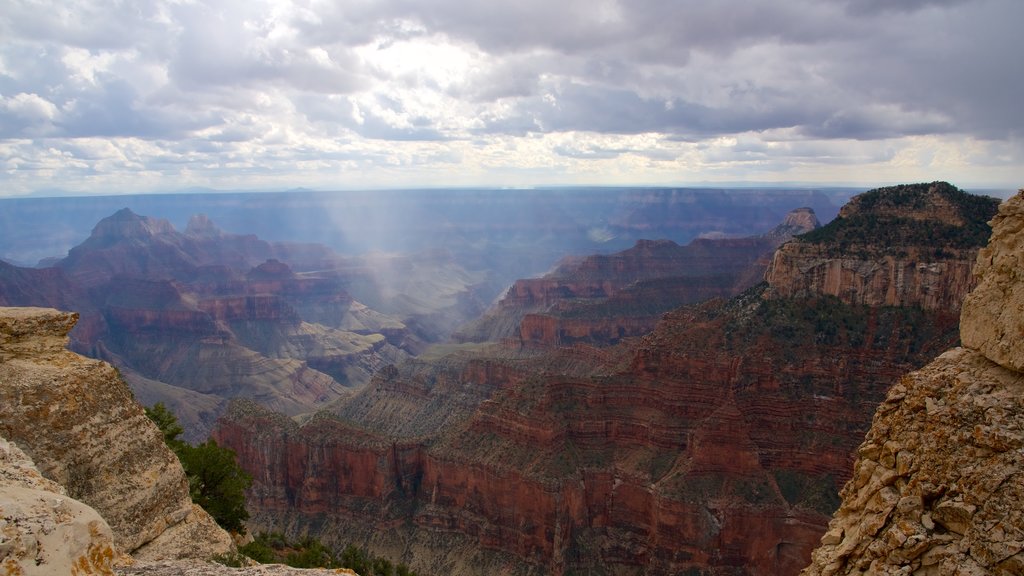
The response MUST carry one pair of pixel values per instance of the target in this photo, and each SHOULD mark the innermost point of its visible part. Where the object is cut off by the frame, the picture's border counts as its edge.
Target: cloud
(230, 90)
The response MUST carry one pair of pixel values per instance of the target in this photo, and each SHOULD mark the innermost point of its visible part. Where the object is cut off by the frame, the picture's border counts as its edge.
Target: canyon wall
(895, 249)
(603, 298)
(937, 487)
(714, 445)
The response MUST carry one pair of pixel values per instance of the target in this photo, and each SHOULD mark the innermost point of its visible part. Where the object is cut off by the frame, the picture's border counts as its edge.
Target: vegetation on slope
(275, 548)
(886, 217)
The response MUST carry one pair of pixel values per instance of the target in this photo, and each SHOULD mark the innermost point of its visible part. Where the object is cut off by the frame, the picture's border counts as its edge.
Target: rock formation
(870, 255)
(938, 486)
(78, 421)
(714, 445)
(603, 298)
(195, 318)
(42, 530)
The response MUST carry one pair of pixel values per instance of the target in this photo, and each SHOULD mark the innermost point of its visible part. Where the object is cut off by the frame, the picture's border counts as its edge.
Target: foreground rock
(78, 421)
(42, 531)
(938, 487)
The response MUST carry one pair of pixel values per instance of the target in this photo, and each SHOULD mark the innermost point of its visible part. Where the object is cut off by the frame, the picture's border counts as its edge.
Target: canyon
(716, 444)
(197, 317)
(600, 299)
(193, 318)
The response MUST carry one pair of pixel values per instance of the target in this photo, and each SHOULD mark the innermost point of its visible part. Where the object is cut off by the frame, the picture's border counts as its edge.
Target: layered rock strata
(715, 445)
(899, 246)
(938, 486)
(80, 424)
(602, 299)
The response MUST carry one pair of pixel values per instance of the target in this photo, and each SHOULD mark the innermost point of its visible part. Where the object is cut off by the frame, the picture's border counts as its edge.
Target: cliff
(78, 421)
(715, 445)
(910, 245)
(938, 486)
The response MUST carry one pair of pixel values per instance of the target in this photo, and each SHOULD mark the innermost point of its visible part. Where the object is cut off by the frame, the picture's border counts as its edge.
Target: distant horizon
(1002, 192)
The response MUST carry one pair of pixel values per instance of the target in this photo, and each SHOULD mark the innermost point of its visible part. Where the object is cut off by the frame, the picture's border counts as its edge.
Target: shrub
(216, 481)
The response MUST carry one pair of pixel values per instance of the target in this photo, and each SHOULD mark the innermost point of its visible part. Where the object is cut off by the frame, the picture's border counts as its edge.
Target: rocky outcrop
(870, 255)
(42, 530)
(80, 424)
(992, 315)
(938, 485)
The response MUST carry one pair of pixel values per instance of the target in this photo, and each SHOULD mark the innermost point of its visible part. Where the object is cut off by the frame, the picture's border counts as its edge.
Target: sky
(123, 96)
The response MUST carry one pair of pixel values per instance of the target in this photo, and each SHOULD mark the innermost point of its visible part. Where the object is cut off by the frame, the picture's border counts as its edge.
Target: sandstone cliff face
(866, 256)
(78, 421)
(991, 321)
(938, 485)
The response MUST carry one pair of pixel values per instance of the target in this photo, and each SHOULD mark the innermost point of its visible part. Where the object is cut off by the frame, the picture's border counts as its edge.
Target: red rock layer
(716, 447)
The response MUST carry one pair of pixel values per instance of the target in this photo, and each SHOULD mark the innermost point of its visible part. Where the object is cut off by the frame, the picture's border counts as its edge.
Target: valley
(688, 403)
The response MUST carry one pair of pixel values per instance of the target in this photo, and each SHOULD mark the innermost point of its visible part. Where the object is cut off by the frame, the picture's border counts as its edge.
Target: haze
(166, 95)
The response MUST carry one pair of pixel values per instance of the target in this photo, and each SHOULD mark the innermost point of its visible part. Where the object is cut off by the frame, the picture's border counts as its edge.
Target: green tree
(216, 481)
(168, 424)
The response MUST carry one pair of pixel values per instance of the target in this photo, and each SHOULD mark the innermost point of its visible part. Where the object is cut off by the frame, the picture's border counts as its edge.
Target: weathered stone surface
(197, 531)
(78, 421)
(959, 508)
(992, 320)
(42, 530)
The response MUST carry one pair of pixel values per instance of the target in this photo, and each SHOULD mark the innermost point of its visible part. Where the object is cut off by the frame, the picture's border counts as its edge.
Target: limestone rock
(42, 530)
(993, 315)
(80, 424)
(197, 530)
(956, 509)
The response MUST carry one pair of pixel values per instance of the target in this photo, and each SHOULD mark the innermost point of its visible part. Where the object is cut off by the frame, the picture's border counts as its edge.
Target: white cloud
(324, 93)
